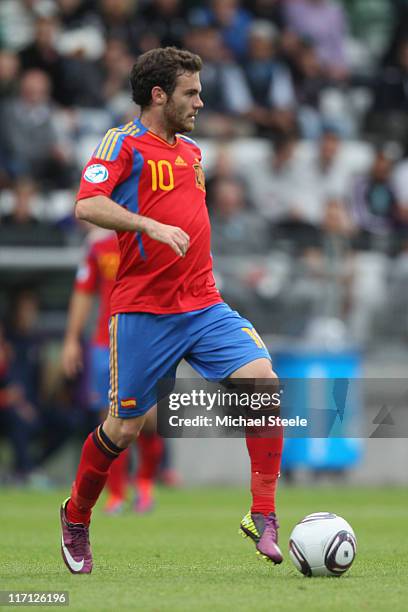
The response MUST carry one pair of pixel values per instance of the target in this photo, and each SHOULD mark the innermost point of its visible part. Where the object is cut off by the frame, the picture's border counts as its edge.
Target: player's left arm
(79, 310)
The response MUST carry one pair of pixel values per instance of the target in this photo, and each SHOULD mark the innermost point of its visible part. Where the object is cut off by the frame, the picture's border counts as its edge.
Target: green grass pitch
(188, 556)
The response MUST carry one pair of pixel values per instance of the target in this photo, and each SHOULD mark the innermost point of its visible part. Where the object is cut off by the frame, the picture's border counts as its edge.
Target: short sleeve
(86, 279)
(110, 164)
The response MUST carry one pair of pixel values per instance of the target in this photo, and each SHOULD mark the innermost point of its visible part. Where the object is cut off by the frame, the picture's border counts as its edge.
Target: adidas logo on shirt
(180, 161)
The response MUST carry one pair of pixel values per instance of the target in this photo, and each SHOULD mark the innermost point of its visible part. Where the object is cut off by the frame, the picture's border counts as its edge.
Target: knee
(122, 432)
(128, 432)
(125, 436)
(266, 371)
(273, 375)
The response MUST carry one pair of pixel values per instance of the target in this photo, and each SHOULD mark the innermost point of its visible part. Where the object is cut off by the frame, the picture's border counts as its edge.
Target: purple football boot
(75, 548)
(263, 530)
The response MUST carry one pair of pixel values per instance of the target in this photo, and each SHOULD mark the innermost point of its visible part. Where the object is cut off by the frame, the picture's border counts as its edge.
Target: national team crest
(199, 176)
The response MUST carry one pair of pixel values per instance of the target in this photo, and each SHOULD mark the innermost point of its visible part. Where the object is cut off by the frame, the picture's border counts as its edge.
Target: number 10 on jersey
(162, 175)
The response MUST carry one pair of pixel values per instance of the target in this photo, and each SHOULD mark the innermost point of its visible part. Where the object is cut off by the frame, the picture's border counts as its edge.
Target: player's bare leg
(100, 449)
(265, 451)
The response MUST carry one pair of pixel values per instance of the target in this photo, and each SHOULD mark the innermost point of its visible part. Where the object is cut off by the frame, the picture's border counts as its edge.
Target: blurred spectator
(293, 188)
(337, 226)
(222, 168)
(225, 93)
(269, 81)
(17, 415)
(25, 224)
(310, 81)
(391, 92)
(9, 71)
(337, 255)
(237, 232)
(60, 417)
(116, 65)
(236, 229)
(16, 23)
(374, 205)
(391, 97)
(84, 81)
(266, 9)
(23, 334)
(324, 23)
(28, 137)
(80, 28)
(399, 23)
(117, 19)
(230, 19)
(276, 185)
(74, 77)
(35, 429)
(330, 169)
(166, 19)
(146, 40)
(76, 14)
(42, 53)
(371, 24)
(81, 44)
(24, 192)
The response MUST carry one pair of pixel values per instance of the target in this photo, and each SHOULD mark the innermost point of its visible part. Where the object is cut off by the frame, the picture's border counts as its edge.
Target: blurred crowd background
(305, 142)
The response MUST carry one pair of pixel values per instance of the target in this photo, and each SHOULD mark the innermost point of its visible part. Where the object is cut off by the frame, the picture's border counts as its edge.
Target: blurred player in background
(145, 180)
(95, 278)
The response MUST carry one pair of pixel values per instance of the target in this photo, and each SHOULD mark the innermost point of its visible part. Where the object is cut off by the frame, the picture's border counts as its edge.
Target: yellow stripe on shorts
(113, 366)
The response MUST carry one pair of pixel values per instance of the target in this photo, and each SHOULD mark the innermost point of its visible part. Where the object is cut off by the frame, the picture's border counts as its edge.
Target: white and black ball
(322, 544)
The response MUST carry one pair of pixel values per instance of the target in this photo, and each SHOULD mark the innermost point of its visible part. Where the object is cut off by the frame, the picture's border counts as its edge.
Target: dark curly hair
(160, 67)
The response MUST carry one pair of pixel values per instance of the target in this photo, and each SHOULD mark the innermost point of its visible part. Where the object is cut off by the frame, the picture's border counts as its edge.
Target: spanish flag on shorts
(129, 402)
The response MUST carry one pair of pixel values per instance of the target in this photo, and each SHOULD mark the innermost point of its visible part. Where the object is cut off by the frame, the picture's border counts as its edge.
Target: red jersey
(97, 275)
(165, 182)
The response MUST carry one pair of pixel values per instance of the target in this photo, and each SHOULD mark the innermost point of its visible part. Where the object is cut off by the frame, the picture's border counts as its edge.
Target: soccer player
(145, 180)
(95, 277)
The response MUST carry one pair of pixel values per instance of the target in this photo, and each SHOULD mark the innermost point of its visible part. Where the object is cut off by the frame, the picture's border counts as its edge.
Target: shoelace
(80, 537)
(271, 527)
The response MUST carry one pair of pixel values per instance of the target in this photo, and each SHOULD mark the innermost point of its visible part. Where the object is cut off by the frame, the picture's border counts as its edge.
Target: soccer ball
(322, 544)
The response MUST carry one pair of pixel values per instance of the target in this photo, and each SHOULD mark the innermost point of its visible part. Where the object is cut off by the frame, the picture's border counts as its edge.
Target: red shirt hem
(163, 311)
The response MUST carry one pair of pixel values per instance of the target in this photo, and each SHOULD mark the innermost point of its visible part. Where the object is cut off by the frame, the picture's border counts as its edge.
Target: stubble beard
(174, 119)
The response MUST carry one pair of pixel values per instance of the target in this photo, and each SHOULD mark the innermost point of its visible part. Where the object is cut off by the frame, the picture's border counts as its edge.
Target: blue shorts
(99, 378)
(145, 348)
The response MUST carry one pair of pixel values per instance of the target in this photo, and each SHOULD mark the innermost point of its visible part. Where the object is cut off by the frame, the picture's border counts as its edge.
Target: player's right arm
(104, 212)
(110, 165)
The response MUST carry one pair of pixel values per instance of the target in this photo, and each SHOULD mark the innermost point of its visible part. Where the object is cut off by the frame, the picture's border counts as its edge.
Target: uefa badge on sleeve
(96, 173)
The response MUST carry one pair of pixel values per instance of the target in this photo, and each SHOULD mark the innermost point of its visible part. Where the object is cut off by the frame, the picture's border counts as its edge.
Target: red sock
(118, 475)
(150, 447)
(98, 452)
(265, 454)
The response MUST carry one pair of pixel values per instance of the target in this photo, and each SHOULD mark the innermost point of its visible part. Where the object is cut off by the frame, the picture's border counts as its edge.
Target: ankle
(75, 515)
